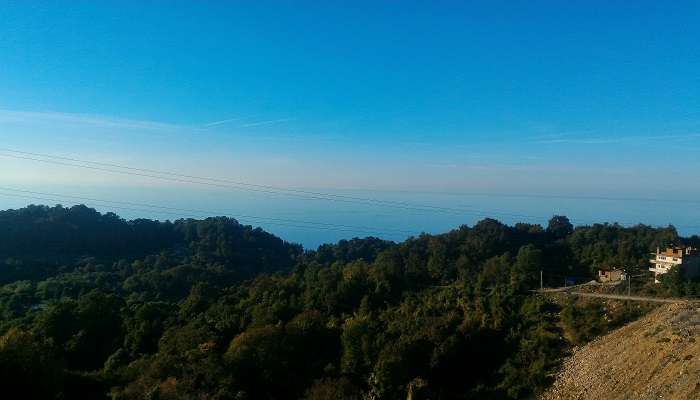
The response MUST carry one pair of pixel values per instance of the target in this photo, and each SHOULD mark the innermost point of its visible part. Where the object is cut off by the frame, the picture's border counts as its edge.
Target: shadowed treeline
(93, 304)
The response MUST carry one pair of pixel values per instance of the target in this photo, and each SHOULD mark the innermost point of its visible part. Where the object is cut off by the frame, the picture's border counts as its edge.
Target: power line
(203, 213)
(356, 198)
(274, 190)
(223, 183)
(206, 212)
(200, 179)
(165, 210)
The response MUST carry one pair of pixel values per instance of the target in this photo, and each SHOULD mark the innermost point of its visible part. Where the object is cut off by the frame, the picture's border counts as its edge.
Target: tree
(213, 309)
(333, 389)
(525, 272)
(28, 367)
(559, 227)
(146, 326)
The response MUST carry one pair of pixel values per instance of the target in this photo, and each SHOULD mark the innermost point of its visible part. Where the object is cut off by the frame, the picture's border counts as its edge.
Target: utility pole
(629, 284)
(541, 282)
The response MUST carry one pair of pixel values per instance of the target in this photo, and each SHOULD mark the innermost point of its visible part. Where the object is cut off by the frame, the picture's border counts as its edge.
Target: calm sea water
(312, 222)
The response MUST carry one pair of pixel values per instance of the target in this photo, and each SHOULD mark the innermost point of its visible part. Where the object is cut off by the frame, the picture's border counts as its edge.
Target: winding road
(569, 290)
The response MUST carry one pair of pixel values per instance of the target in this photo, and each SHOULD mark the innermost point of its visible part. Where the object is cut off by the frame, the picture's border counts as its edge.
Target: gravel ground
(656, 357)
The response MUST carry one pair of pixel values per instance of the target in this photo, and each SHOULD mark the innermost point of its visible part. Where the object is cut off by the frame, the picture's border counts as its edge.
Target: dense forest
(94, 306)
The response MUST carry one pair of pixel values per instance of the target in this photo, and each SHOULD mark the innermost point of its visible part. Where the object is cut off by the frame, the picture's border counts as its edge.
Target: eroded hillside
(655, 357)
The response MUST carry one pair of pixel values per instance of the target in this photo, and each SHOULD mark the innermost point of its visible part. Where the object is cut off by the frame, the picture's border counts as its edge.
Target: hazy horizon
(349, 220)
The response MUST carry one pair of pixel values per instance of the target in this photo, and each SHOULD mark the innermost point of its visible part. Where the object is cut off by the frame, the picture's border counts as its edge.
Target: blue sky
(384, 99)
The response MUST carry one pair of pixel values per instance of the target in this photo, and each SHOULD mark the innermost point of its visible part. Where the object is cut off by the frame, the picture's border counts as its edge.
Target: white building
(685, 258)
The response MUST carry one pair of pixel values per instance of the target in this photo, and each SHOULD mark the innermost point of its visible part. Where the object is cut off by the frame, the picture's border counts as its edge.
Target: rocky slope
(656, 357)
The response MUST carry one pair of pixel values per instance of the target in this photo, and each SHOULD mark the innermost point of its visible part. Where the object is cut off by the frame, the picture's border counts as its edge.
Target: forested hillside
(93, 305)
